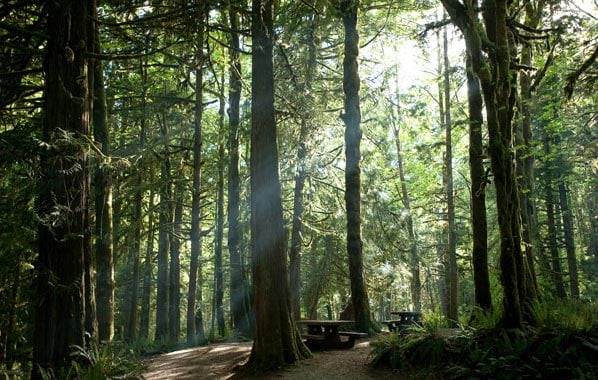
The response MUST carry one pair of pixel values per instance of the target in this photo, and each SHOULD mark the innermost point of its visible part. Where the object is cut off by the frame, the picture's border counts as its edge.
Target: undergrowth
(99, 362)
(561, 344)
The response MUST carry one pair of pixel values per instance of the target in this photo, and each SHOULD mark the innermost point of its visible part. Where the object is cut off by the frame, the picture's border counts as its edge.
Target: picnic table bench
(406, 318)
(325, 334)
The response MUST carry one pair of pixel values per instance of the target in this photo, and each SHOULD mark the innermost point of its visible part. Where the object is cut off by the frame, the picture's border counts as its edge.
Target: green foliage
(568, 315)
(563, 345)
(105, 361)
(387, 351)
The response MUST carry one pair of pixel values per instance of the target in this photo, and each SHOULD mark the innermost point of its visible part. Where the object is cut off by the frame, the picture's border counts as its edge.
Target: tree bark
(277, 341)
(63, 191)
(352, 119)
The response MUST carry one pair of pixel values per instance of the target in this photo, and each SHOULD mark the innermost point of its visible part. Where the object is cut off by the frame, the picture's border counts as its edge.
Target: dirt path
(218, 361)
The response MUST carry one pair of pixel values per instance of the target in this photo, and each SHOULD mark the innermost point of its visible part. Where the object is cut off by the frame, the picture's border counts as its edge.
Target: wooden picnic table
(406, 318)
(326, 334)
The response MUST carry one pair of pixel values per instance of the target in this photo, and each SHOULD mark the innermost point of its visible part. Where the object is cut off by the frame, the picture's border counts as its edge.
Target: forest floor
(222, 361)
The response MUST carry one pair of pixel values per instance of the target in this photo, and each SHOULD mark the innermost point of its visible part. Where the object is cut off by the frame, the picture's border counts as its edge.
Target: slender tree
(556, 267)
(451, 247)
(164, 231)
(479, 223)
(238, 294)
(144, 318)
(102, 182)
(195, 331)
(277, 341)
(569, 239)
(174, 287)
(219, 236)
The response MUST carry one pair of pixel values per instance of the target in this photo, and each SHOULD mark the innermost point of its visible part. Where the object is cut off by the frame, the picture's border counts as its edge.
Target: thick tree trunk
(277, 341)
(63, 186)
(194, 314)
(479, 225)
(238, 298)
(352, 119)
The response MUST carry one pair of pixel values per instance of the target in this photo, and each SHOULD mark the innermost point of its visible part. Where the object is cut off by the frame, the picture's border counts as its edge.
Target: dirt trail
(218, 361)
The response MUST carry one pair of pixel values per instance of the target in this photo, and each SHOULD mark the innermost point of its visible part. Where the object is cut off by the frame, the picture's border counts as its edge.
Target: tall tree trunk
(277, 341)
(451, 248)
(479, 225)
(103, 197)
(164, 229)
(174, 288)
(194, 313)
(63, 187)
(352, 119)
(237, 288)
(144, 318)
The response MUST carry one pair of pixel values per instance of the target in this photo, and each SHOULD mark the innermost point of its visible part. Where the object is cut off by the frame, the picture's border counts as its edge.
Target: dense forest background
(164, 164)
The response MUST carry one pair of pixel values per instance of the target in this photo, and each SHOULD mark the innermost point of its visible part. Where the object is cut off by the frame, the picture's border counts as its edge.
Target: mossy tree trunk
(491, 64)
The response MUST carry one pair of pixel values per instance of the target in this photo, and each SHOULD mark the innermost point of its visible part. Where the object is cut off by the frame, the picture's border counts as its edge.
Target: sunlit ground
(216, 361)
